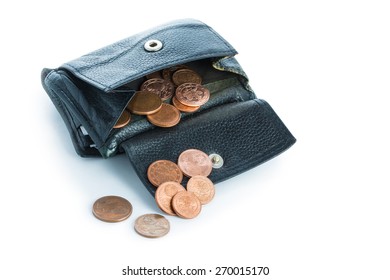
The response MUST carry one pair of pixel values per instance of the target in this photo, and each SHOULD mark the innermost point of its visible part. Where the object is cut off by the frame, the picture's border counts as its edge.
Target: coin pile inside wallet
(164, 95)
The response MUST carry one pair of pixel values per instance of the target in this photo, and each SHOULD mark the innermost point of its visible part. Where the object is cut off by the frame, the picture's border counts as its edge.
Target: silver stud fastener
(153, 45)
(216, 160)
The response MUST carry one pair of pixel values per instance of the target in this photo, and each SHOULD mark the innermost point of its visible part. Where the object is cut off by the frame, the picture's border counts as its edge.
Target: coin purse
(237, 129)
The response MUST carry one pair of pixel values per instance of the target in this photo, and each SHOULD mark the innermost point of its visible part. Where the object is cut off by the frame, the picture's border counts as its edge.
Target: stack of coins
(171, 197)
(179, 85)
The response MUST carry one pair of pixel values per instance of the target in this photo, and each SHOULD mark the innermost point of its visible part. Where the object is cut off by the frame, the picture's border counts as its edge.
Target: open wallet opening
(93, 92)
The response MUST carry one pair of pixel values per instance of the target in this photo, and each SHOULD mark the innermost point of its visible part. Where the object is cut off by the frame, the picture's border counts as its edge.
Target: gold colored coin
(123, 120)
(182, 107)
(112, 209)
(162, 171)
(144, 103)
(167, 116)
(186, 205)
(164, 195)
(193, 162)
(152, 225)
(183, 76)
(192, 94)
(202, 187)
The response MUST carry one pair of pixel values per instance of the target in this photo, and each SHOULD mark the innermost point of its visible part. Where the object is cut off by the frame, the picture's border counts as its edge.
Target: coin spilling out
(202, 187)
(162, 171)
(182, 107)
(112, 209)
(152, 225)
(123, 120)
(164, 194)
(186, 205)
(144, 103)
(167, 116)
(192, 94)
(194, 162)
(164, 89)
(183, 76)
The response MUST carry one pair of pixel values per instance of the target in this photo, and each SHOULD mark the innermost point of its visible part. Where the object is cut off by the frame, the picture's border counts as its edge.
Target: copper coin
(182, 107)
(162, 171)
(186, 205)
(195, 162)
(164, 195)
(123, 120)
(112, 209)
(202, 187)
(162, 88)
(192, 94)
(167, 116)
(152, 225)
(168, 72)
(183, 76)
(144, 103)
(154, 75)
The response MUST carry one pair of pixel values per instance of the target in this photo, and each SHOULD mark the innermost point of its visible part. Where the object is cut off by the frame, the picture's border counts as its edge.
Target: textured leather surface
(127, 60)
(245, 134)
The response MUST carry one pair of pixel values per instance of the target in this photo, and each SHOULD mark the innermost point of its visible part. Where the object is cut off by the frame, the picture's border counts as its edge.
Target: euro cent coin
(152, 225)
(183, 76)
(144, 103)
(164, 89)
(167, 116)
(202, 187)
(186, 205)
(112, 209)
(193, 162)
(164, 195)
(123, 120)
(184, 108)
(192, 94)
(162, 171)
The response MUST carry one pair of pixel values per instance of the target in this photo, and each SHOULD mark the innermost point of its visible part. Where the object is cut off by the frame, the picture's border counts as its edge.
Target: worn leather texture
(244, 134)
(92, 91)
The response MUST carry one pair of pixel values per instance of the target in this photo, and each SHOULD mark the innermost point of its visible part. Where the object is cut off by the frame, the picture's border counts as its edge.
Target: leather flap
(245, 134)
(124, 61)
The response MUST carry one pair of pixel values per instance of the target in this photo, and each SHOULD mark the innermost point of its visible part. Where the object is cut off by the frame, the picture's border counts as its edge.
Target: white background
(318, 211)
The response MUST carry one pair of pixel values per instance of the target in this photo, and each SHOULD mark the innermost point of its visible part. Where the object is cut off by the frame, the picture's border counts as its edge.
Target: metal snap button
(153, 45)
(216, 160)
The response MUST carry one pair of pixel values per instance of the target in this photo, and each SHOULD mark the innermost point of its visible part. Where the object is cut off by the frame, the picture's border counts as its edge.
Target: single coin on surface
(167, 116)
(202, 187)
(163, 88)
(184, 108)
(123, 120)
(192, 94)
(112, 209)
(152, 225)
(183, 76)
(186, 205)
(144, 103)
(193, 162)
(162, 171)
(164, 195)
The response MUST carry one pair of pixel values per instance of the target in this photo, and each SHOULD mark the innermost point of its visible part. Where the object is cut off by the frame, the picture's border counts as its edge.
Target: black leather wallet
(91, 93)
